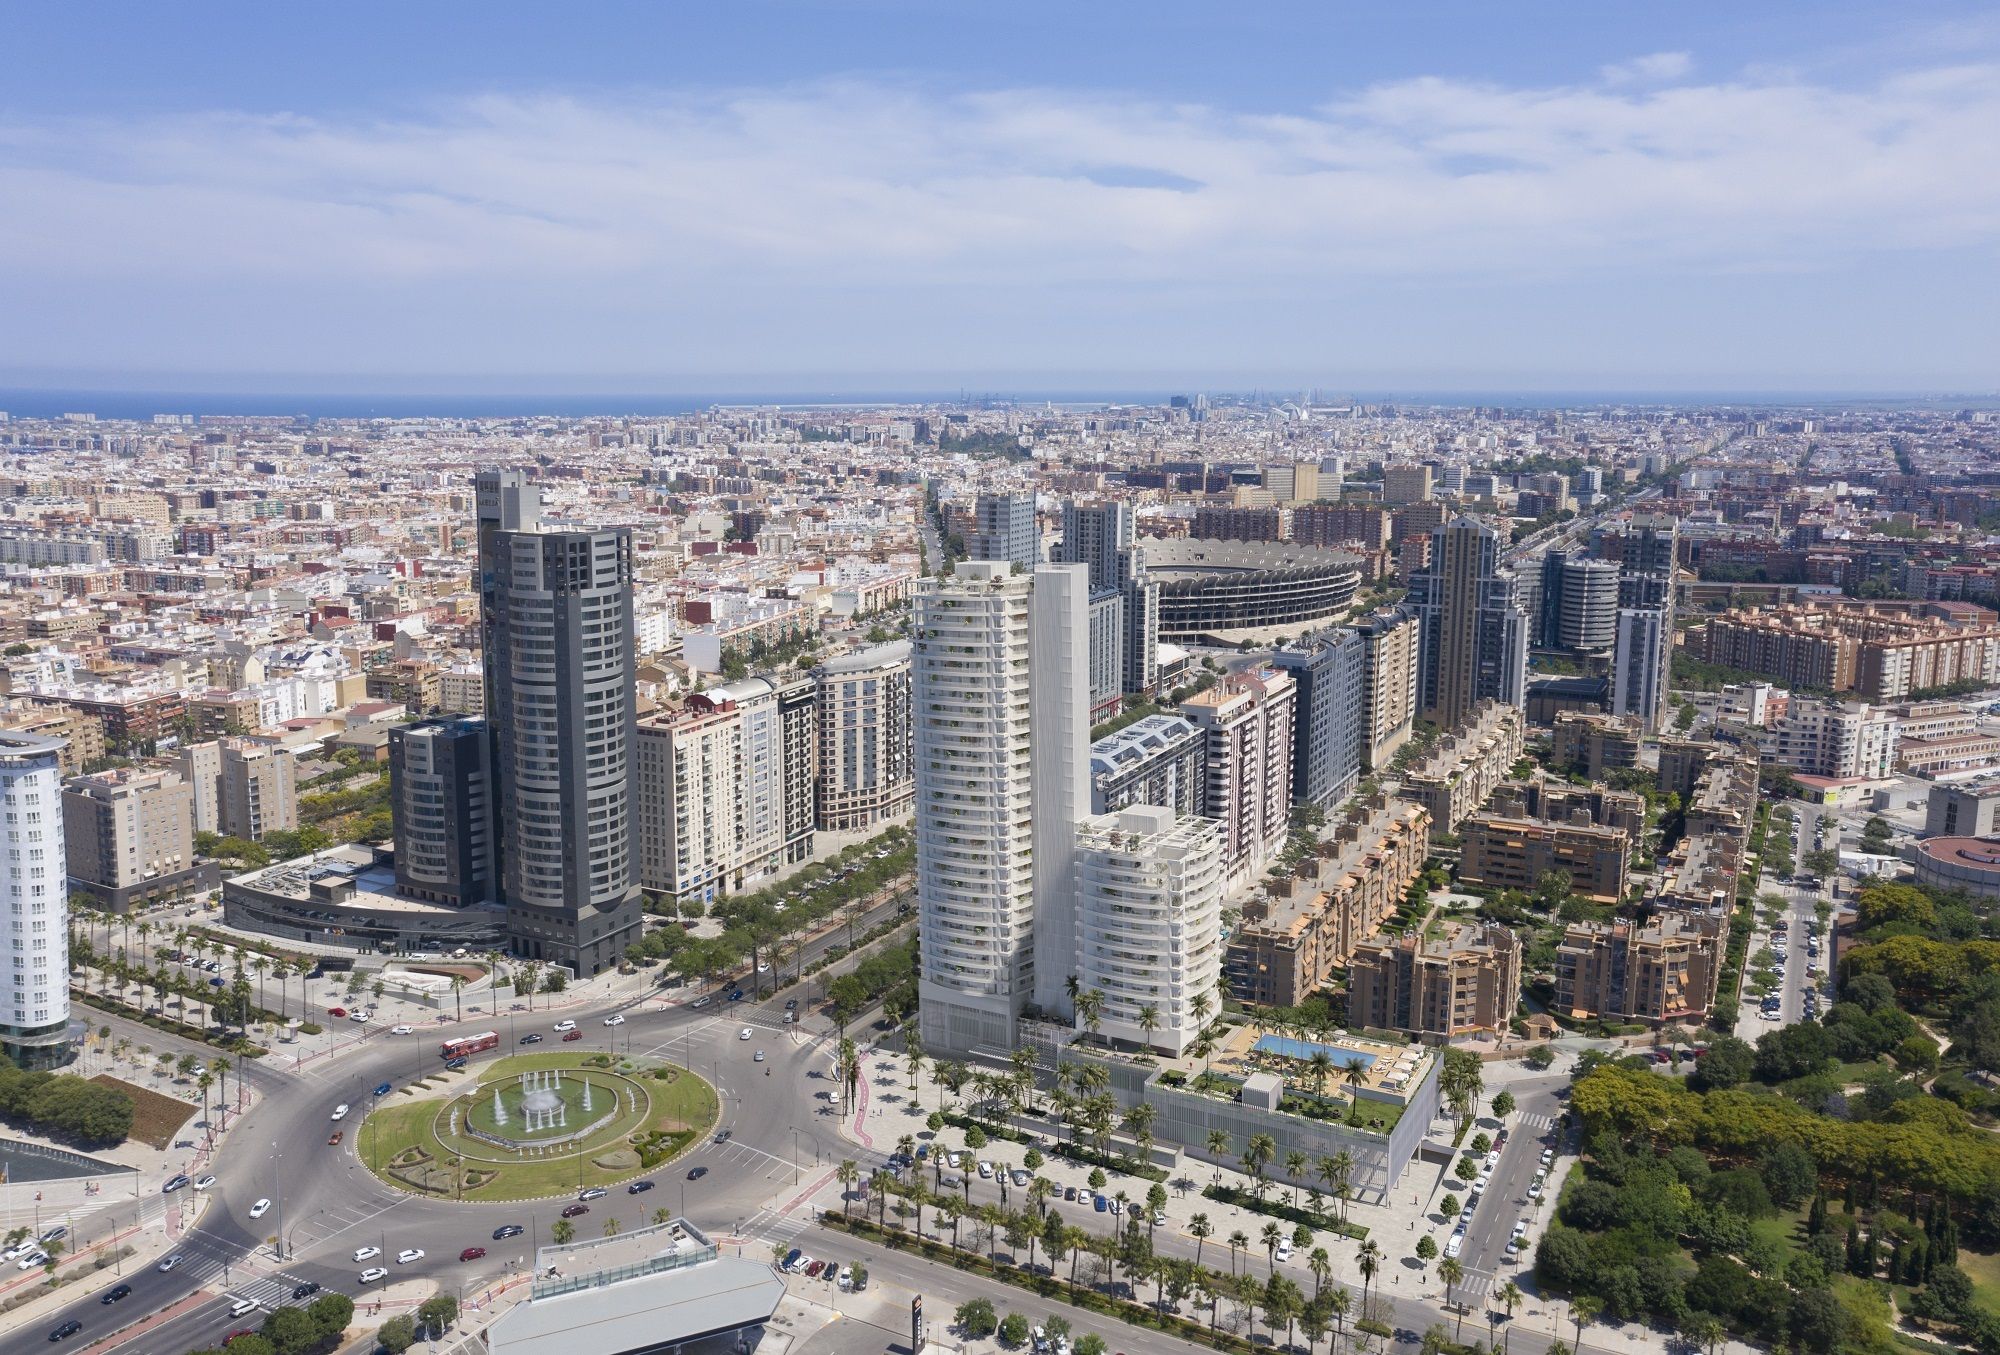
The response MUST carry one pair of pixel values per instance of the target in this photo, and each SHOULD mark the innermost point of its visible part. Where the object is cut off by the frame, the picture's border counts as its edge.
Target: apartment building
(1445, 981)
(1326, 754)
(1341, 524)
(1390, 665)
(1290, 940)
(129, 836)
(1004, 529)
(1879, 651)
(1403, 485)
(1506, 852)
(1838, 740)
(864, 775)
(1239, 524)
(1149, 887)
(1246, 721)
(1659, 969)
(686, 796)
(1156, 760)
(241, 787)
(1594, 743)
(34, 995)
(1466, 765)
(82, 737)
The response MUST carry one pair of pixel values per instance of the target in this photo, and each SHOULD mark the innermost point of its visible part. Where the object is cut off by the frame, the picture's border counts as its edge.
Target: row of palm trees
(1277, 1298)
(1334, 1171)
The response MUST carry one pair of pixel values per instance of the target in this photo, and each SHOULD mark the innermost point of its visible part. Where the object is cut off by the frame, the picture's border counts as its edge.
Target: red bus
(467, 1045)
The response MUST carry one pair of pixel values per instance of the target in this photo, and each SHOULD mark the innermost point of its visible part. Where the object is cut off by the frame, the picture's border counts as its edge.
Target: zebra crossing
(214, 1265)
(1528, 1119)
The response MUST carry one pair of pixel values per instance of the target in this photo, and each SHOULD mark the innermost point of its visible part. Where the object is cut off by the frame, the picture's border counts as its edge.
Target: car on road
(374, 1273)
(66, 1330)
(333, 1139)
(791, 1004)
(507, 1230)
(572, 1035)
(1284, 1249)
(696, 1173)
(113, 1295)
(453, 1065)
(531, 1039)
(258, 1210)
(592, 1193)
(759, 1058)
(384, 1088)
(472, 1253)
(722, 1136)
(735, 994)
(362, 1017)
(169, 1263)
(366, 1253)
(702, 1001)
(175, 1183)
(305, 1289)
(743, 1034)
(614, 1020)
(638, 1187)
(340, 1111)
(576, 1211)
(409, 1254)
(562, 1026)
(401, 1030)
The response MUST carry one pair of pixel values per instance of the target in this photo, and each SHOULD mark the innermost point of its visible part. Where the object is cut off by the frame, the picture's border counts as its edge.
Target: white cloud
(860, 192)
(1651, 69)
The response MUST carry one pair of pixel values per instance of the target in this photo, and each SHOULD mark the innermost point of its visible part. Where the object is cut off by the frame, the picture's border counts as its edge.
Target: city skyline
(870, 197)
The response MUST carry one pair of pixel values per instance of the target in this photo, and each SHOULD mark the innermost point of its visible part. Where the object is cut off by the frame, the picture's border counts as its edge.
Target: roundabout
(536, 1125)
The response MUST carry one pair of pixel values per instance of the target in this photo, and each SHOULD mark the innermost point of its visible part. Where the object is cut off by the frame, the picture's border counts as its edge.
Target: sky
(749, 196)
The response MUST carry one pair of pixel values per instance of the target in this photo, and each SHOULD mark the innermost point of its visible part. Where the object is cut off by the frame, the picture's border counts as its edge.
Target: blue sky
(746, 196)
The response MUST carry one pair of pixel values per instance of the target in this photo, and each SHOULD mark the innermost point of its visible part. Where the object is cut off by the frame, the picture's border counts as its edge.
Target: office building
(1149, 916)
(441, 798)
(556, 636)
(1969, 809)
(1156, 760)
(1658, 969)
(1391, 641)
(1452, 980)
(1475, 635)
(201, 768)
(1246, 721)
(864, 775)
(1328, 668)
(257, 789)
(1004, 529)
(1589, 606)
(983, 753)
(1403, 485)
(1101, 536)
(1292, 482)
(129, 836)
(34, 994)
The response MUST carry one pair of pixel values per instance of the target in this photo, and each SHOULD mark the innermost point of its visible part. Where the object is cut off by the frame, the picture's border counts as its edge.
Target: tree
(1090, 1343)
(1451, 1271)
(1503, 1104)
(436, 1315)
(975, 1318)
(398, 1334)
(563, 1232)
(1585, 1309)
(1013, 1329)
(1427, 1249)
(1540, 1057)
(1728, 1063)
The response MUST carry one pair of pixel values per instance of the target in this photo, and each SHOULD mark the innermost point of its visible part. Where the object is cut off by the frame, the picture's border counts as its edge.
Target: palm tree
(1200, 1229)
(1451, 1271)
(1295, 1167)
(1218, 1148)
(1237, 1239)
(1149, 1021)
(847, 1173)
(1271, 1237)
(1435, 1340)
(913, 1056)
(1090, 1010)
(1257, 1154)
(1321, 1266)
(1510, 1297)
(1583, 1310)
(1338, 1303)
(1368, 1260)
(1319, 1069)
(1354, 1072)
(1343, 1177)
(564, 1232)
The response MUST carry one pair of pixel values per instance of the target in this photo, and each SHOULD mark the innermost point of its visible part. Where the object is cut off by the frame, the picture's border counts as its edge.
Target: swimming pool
(1305, 1049)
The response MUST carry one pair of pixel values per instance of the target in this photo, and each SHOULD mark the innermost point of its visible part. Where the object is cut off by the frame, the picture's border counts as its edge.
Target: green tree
(975, 1318)
(1013, 1329)
(398, 1334)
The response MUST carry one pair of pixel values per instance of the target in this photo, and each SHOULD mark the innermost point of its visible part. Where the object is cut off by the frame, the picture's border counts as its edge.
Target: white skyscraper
(1149, 897)
(34, 994)
(993, 730)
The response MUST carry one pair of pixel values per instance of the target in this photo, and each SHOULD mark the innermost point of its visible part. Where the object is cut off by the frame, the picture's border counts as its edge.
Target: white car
(204, 1182)
(763, 967)
(1285, 1249)
(374, 1273)
(366, 1253)
(986, 1169)
(614, 1020)
(743, 1034)
(340, 1111)
(37, 1257)
(259, 1209)
(361, 1017)
(1455, 1245)
(562, 1027)
(951, 1160)
(847, 1277)
(409, 1254)
(401, 1030)
(1535, 1189)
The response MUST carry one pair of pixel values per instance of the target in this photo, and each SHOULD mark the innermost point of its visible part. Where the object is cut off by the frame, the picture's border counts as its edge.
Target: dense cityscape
(1497, 862)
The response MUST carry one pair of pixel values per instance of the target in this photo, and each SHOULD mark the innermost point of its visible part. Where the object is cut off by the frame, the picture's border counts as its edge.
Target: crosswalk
(215, 1265)
(1529, 1119)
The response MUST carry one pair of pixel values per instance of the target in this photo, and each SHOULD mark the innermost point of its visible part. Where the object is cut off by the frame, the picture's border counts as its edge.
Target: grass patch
(155, 1118)
(399, 1142)
(1984, 1270)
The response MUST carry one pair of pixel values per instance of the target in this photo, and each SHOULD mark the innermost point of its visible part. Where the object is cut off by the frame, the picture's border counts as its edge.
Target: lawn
(1984, 1269)
(155, 1118)
(399, 1141)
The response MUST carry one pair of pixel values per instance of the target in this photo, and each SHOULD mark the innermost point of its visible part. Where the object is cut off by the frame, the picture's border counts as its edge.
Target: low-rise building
(1947, 753)
(1658, 969)
(1594, 743)
(1969, 809)
(1504, 852)
(1442, 981)
(1155, 760)
(1466, 765)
